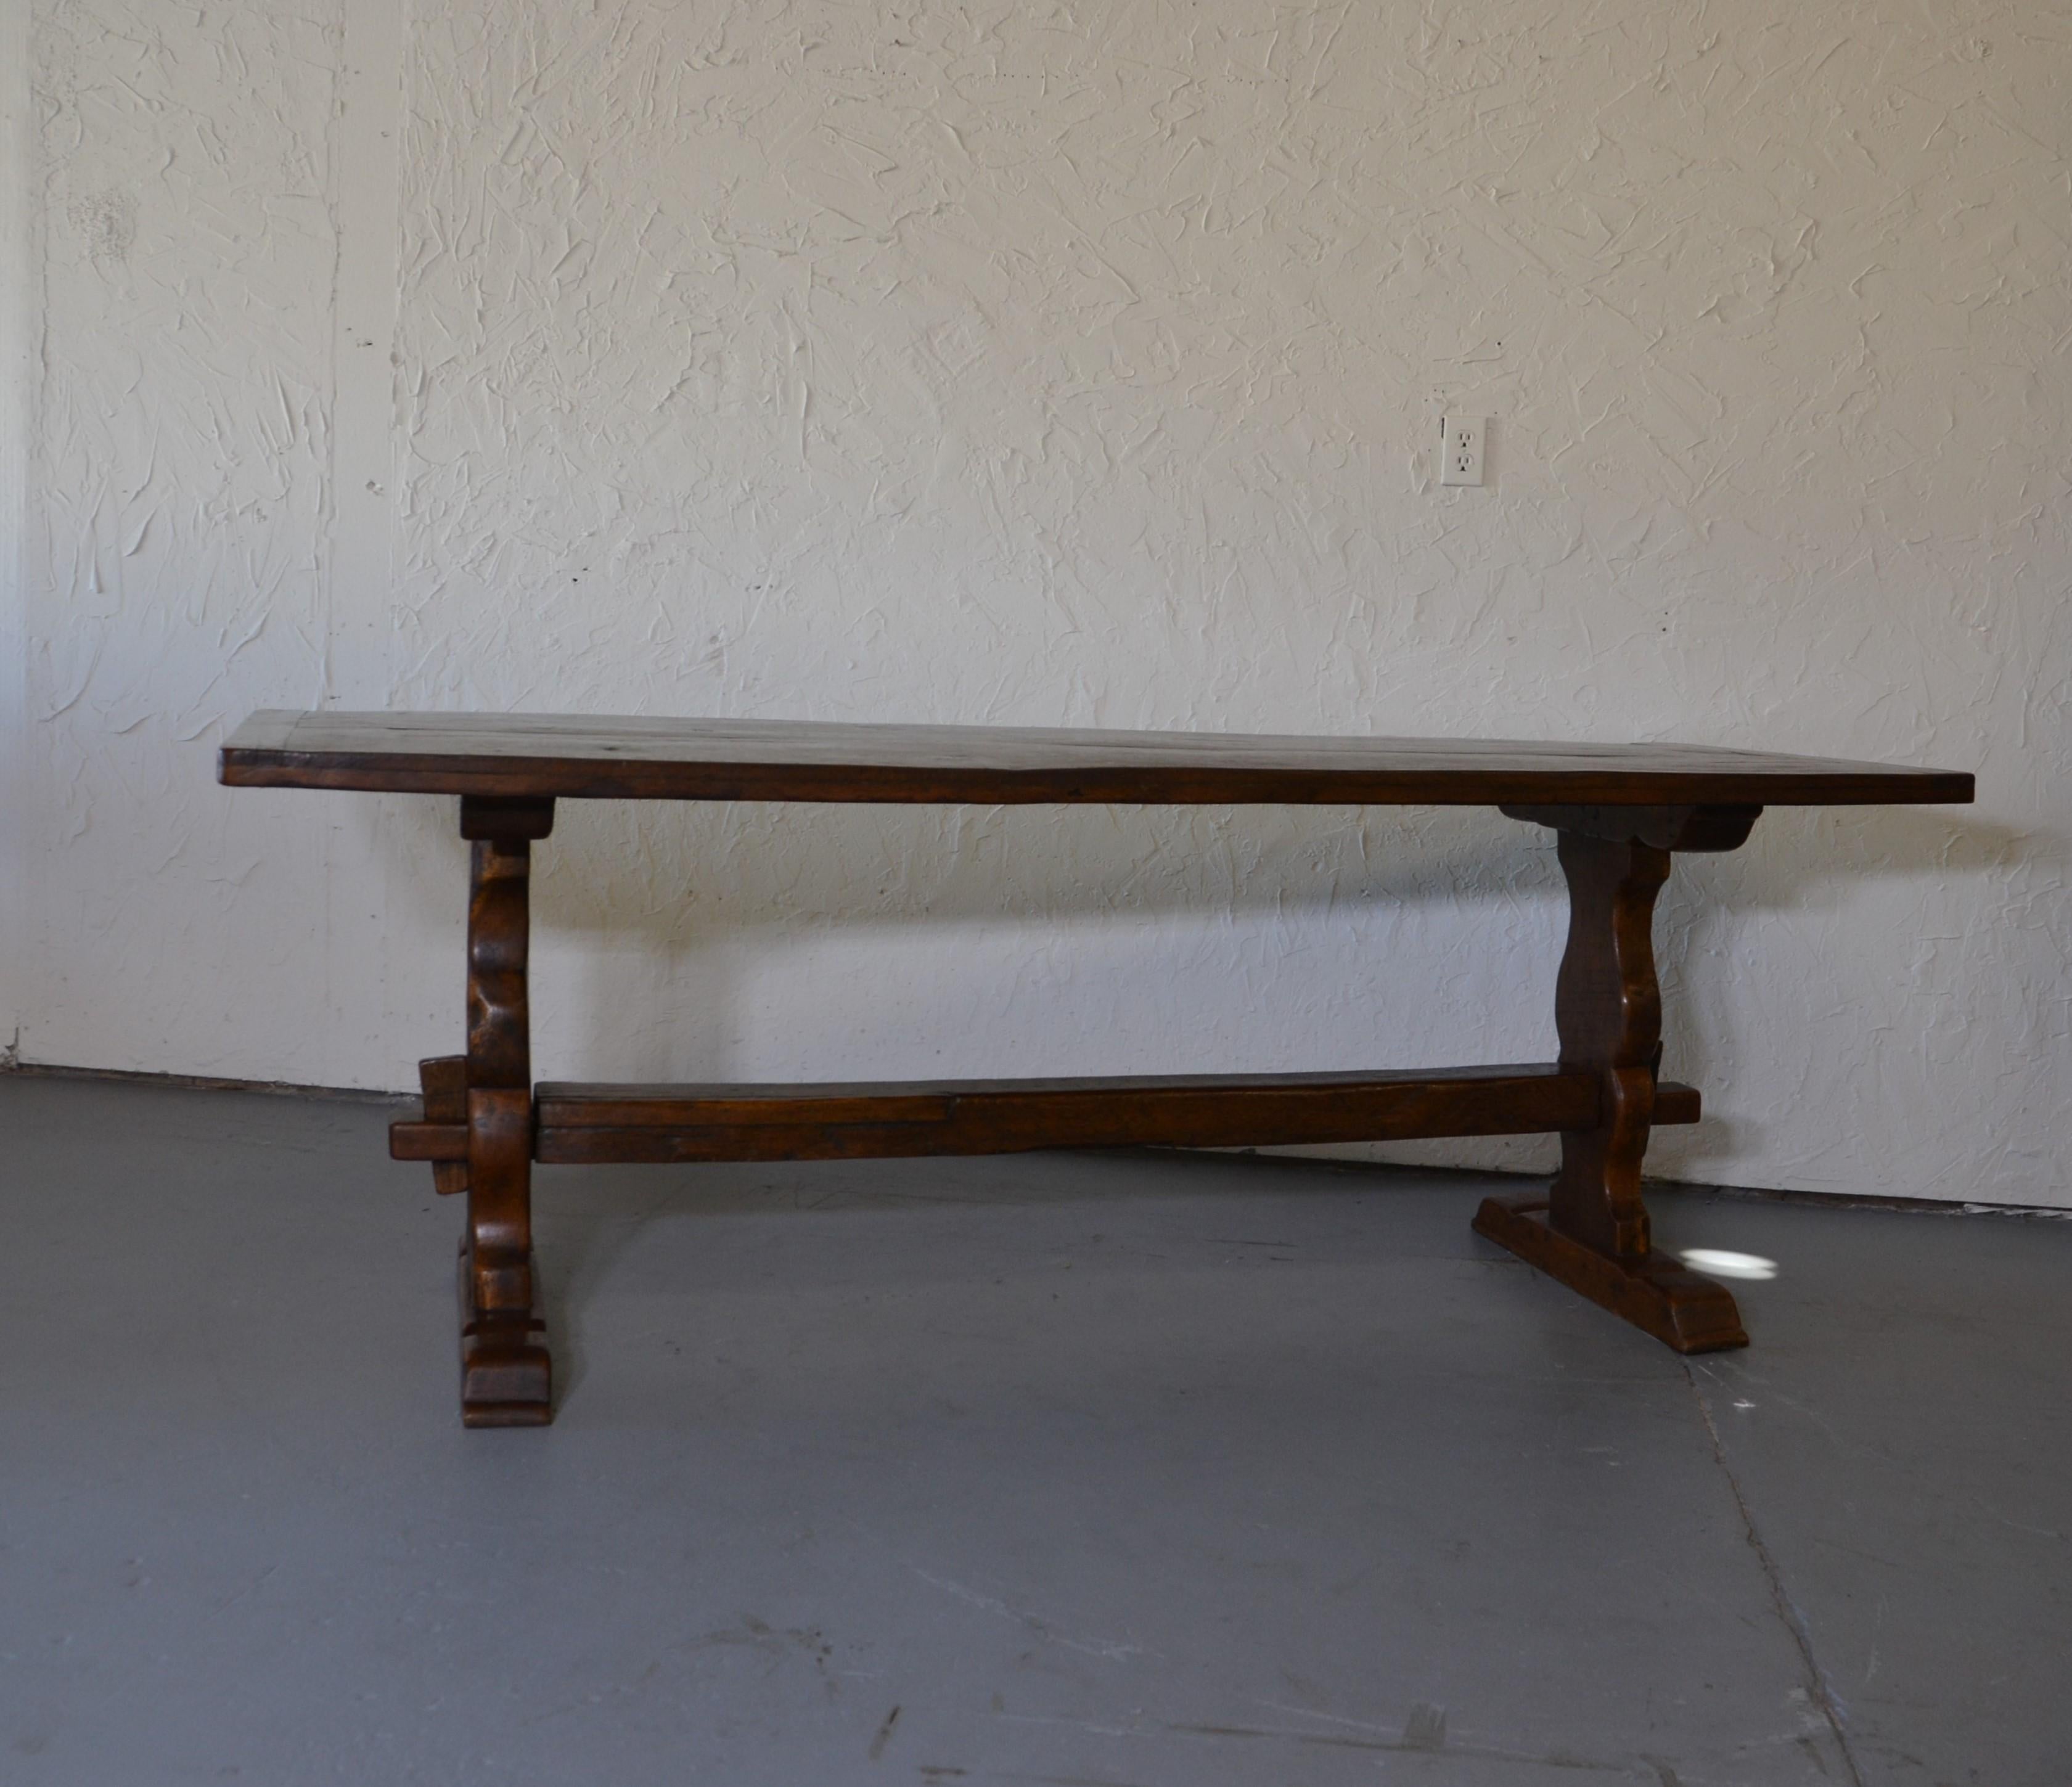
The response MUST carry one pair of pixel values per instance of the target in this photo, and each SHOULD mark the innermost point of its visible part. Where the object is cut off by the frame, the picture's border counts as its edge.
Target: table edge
(1120, 785)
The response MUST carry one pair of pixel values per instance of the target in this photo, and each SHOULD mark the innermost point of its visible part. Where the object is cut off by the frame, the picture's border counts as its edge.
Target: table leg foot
(507, 1375)
(1656, 1291)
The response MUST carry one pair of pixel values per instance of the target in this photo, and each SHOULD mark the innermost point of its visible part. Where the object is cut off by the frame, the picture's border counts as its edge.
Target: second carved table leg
(507, 1376)
(1591, 1230)
(1608, 1012)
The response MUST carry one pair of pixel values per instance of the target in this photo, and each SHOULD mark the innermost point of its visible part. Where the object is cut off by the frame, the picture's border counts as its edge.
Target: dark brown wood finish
(838, 1122)
(507, 1377)
(815, 1120)
(1607, 1012)
(1656, 1292)
(1620, 813)
(444, 1079)
(649, 759)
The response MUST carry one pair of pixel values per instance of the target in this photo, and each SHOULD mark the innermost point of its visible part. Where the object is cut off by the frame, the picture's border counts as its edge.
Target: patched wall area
(1054, 366)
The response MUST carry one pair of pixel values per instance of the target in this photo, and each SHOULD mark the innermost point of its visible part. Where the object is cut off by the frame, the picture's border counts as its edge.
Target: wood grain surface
(819, 1122)
(1621, 811)
(586, 755)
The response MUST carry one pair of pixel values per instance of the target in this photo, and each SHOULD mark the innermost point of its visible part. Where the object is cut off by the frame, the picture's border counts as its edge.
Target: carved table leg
(507, 1376)
(1591, 1230)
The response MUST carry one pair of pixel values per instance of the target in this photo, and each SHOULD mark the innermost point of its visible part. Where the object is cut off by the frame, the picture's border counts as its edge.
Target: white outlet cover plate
(1461, 439)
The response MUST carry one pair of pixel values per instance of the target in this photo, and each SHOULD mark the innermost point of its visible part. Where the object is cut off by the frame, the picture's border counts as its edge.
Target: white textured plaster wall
(1045, 364)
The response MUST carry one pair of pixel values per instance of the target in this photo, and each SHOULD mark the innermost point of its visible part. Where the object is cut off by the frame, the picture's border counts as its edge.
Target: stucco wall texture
(1054, 364)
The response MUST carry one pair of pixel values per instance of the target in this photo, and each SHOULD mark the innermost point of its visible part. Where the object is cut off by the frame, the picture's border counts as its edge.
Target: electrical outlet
(1461, 437)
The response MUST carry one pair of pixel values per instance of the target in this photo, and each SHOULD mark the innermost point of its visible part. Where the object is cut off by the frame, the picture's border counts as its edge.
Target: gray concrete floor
(1116, 1470)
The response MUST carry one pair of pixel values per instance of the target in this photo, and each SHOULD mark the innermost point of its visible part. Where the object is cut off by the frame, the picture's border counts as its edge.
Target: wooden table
(1621, 812)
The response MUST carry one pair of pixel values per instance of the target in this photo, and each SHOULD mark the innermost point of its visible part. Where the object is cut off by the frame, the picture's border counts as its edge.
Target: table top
(599, 756)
